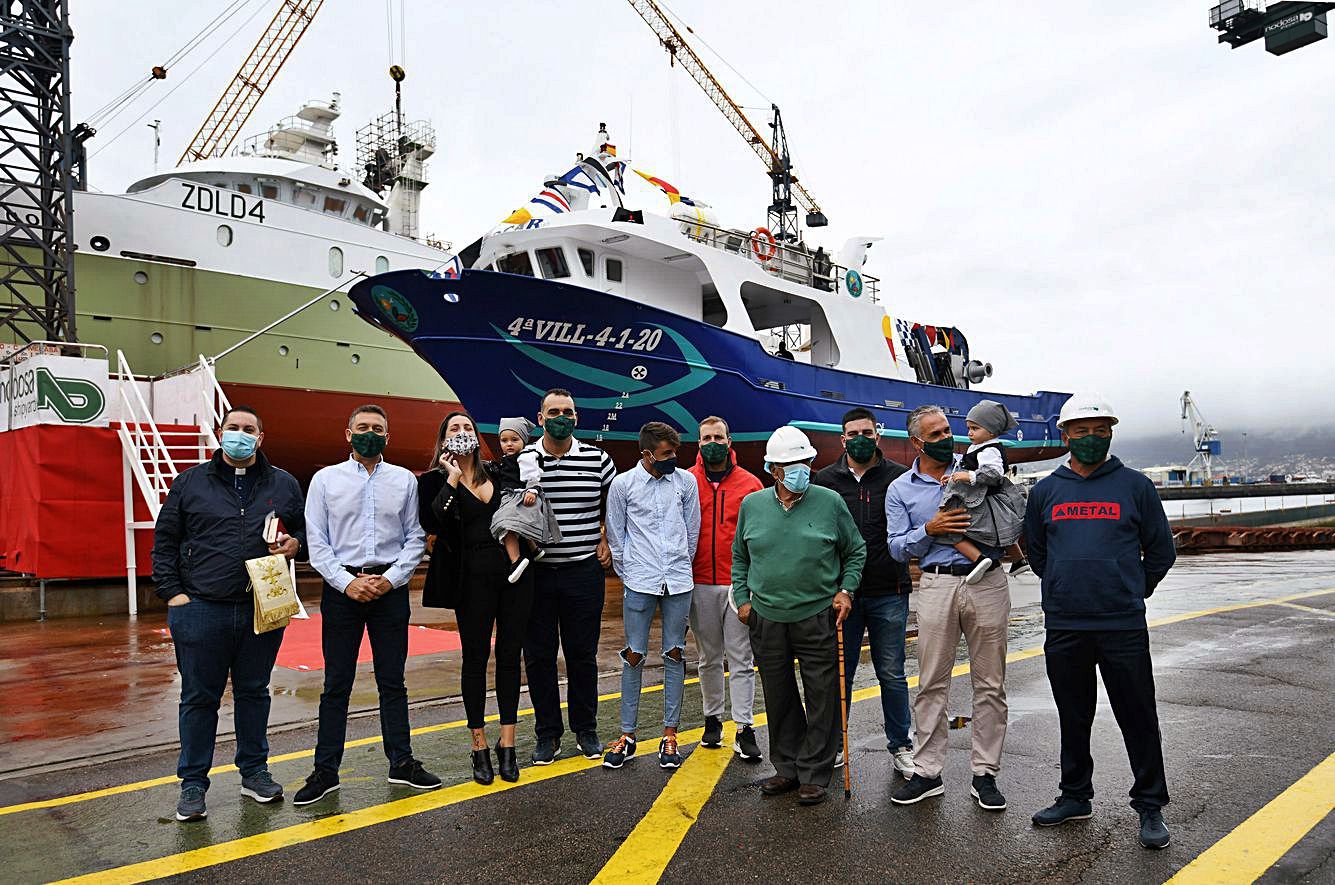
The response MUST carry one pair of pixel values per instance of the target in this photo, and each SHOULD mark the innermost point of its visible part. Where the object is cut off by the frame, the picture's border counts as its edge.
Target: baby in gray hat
(519, 516)
(979, 485)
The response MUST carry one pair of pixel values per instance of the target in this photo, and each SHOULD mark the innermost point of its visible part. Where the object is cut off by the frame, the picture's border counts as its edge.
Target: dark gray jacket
(205, 533)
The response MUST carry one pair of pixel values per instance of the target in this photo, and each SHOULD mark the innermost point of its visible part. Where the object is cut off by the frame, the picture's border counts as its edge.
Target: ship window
(333, 206)
(713, 311)
(586, 259)
(335, 262)
(269, 191)
(552, 262)
(614, 270)
(244, 188)
(773, 311)
(517, 263)
(359, 213)
(381, 264)
(224, 235)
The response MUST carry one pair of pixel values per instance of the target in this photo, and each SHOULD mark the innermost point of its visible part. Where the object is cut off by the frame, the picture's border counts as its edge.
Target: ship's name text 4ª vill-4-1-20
(611, 337)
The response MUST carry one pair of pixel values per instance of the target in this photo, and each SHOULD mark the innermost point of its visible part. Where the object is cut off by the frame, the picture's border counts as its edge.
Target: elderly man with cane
(797, 559)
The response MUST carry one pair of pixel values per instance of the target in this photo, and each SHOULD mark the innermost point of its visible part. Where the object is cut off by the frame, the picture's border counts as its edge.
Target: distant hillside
(1310, 451)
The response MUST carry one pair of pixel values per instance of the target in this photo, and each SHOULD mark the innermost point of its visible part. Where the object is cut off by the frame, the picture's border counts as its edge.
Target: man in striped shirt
(569, 582)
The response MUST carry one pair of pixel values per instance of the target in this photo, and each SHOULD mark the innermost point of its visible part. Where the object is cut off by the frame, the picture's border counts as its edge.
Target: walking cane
(843, 710)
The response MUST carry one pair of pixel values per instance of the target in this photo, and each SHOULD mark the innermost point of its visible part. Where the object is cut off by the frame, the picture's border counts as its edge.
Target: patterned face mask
(464, 443)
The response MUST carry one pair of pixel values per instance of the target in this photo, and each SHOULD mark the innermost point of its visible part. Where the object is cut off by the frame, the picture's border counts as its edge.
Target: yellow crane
(773, 153)
(257, 73)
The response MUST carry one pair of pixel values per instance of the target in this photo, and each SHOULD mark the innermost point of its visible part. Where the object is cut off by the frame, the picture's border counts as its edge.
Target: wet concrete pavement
(1243, 699)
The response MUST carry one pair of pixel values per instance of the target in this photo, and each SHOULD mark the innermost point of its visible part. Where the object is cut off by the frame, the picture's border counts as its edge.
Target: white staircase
(166, 425)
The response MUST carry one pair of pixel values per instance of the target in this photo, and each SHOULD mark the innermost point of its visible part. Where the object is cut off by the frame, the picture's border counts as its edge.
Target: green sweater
(789, 563)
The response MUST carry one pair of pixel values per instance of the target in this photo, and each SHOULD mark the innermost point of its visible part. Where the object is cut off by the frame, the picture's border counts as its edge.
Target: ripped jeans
(638, 613)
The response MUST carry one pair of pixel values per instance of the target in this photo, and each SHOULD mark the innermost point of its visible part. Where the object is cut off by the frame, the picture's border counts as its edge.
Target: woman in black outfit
(458, 497)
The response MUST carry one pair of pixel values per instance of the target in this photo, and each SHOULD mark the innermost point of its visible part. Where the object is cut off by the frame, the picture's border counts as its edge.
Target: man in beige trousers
(947, 607)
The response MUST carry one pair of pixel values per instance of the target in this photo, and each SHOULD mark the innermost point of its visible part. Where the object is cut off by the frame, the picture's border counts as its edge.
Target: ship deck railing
(794, 263)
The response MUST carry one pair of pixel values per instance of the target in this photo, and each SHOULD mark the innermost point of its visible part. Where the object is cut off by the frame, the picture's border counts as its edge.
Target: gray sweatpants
(719, 634)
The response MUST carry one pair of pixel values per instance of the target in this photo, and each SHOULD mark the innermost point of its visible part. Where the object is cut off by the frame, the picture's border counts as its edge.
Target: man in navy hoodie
(1098, 536)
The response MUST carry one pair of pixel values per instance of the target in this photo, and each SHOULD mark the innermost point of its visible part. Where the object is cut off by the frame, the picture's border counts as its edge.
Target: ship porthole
(282, 350)
(356, 358)
(100, 243)
(335, 262)
(381, 264)
(334, 305)
(156, 337)
(140, 277)
(224, 235)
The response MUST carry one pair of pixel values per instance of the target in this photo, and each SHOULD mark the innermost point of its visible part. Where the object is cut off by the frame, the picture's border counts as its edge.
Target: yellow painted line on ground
(299, 833)
(1261, 840)
(172, 780)
(1309, 608)
(646, 852)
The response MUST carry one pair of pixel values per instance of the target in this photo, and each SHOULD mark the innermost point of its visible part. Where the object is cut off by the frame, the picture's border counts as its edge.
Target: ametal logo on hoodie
(1087, 510)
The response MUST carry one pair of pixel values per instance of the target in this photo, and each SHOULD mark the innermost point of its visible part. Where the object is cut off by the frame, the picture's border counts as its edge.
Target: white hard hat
(787, 445)
(1085, 405)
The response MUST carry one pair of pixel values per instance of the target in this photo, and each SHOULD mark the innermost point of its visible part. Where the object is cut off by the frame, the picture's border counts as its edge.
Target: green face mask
(714, 453)
(559, 428)
(860, 448)
(1090, 450)
(368, 444)
(942, 450)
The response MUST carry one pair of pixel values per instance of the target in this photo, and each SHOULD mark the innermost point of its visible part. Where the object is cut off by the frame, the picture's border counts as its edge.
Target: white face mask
(463, 443)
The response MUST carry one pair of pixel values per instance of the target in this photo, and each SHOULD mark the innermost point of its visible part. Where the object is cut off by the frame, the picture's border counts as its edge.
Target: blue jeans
(214, 640)
(884, 618)
(638, 612)
(343, 622)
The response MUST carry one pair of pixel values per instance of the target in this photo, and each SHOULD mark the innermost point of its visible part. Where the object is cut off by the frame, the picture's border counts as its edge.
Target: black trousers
(487, 600)
(567, 610)
(1123, 659)
(343, 621)
(802, 742)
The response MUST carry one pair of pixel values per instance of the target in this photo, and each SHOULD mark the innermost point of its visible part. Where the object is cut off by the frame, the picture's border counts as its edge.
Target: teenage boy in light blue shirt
(653, 526)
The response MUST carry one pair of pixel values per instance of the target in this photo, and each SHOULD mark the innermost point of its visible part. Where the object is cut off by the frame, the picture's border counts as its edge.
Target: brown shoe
(778, 784)
(811, 794)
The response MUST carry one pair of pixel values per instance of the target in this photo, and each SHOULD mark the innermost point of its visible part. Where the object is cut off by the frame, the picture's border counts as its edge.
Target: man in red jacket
(714, 621)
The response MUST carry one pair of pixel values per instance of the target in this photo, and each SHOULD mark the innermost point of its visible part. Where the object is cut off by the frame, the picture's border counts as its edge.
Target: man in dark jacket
(881, 605)
(1099, 538)
(211, 523)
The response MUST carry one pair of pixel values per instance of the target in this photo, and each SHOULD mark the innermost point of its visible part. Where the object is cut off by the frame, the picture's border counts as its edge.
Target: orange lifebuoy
(763, 244)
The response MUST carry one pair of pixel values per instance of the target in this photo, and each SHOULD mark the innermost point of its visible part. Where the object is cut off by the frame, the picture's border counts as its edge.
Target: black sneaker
(546, 751)
(412, 774)
(261, 787)
(191, 804)
(839, 759)
(917, 789)
(319, 784)
(713, 736)
(745, 745)
(1153, 831)
(1020, 567)
(619, 751)
(985, 790)
(1062, 810)
(589, 744)
(668, 754)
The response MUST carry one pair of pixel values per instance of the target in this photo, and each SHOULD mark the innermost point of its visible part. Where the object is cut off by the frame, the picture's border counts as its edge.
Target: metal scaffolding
(36, 173)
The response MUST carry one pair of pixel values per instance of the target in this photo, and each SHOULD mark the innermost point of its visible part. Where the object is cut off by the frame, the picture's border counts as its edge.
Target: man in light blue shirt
(948, 607)
(653, 526)
(365, 541)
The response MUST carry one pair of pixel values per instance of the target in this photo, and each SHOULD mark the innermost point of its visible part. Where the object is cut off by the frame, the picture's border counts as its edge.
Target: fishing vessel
(672, 317)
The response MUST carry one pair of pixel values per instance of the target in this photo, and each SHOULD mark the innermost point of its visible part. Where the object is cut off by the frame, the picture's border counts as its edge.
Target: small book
(272, 525)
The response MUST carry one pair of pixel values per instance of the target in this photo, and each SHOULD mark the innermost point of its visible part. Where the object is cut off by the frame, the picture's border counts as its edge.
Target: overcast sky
(1099, 195)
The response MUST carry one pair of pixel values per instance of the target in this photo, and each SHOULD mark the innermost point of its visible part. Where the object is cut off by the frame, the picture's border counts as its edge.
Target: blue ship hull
(501, 340)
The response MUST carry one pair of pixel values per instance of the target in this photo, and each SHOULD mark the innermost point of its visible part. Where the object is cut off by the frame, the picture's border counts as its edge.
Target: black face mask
(664, 467)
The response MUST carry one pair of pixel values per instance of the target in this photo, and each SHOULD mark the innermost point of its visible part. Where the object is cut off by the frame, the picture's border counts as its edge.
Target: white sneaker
(539, 554)
(518, 571)
(904, 761)
(839, 759)
(980, 568)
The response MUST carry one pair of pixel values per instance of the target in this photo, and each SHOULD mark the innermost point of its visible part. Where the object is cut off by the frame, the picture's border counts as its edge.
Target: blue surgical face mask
(796, 478)
(238, 445)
